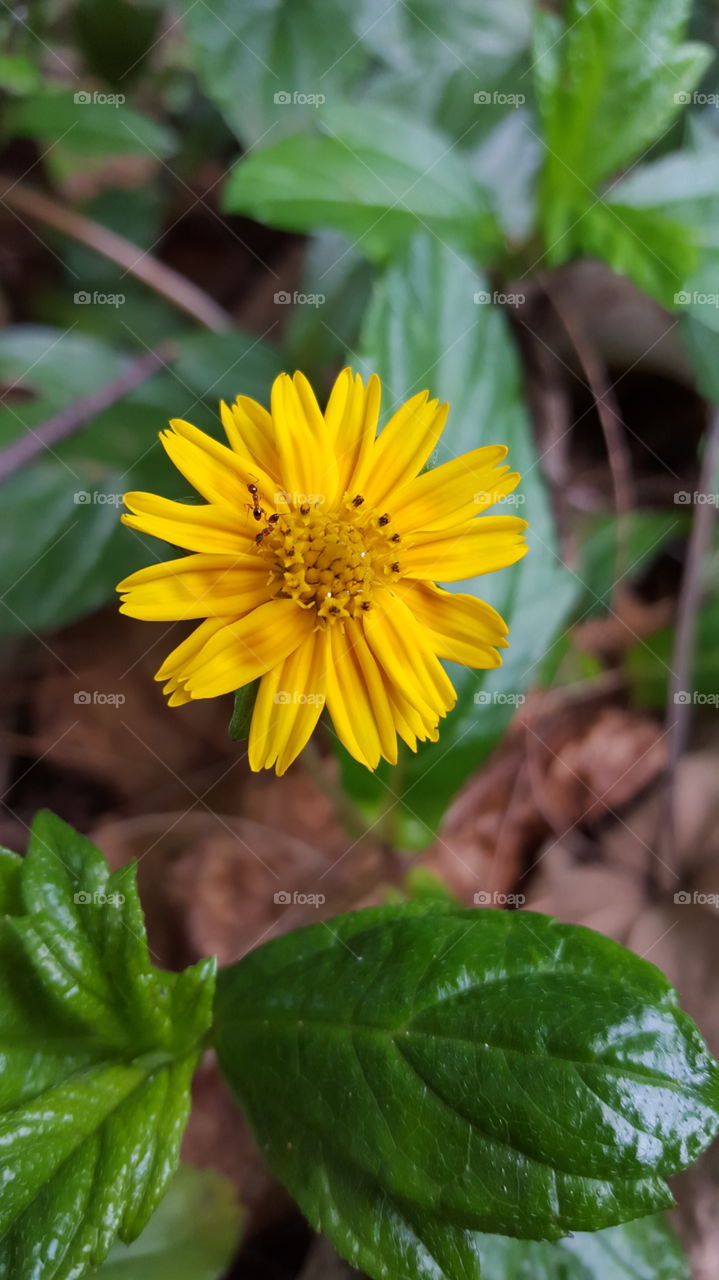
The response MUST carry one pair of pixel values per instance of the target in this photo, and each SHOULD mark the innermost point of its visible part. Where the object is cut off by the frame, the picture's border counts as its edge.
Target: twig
(136, 262)
(70, 420)
(679, 711)
(607, 410)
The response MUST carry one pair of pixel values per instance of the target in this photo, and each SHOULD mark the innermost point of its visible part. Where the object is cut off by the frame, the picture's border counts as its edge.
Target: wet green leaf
(416, 1074)
(98, 1050)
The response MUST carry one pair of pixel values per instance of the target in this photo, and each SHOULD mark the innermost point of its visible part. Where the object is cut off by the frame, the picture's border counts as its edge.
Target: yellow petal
(214, 470)
(352, 415)
(348, 701)
(411, 726)
(402, 449)
(402, 648)
(479, 546)
(257, 432)
(288, 705)
(371, 680)
(307, 461)
(247, 648)
(210, 527)
(195, 586)
(455, 492)
(174, 663)
(461, 628)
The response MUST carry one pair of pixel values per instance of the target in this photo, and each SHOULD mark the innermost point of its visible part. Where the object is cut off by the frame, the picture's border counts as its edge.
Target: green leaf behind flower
(67, 502)
(646, 1249)
(432, 323)
(375, 174)
(610, 81)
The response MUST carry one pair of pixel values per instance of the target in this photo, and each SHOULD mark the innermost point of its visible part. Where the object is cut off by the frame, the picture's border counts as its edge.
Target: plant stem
(135, 261)
(679, 712)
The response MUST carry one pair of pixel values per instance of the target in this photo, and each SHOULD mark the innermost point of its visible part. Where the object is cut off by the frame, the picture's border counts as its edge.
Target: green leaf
(88, 122)
(649, 664)
(191, 1235)
(699, 295)
(432, 58)
(221, 366)
(18, 74)
(658, 254)
(702, 347)
(609, 83)
(683, 186)
(98, 1049)
(429, 35)
(424, 329)
(375, 175)
(657, 224)
(10, 872)
(646, 1249)
(506, 162)
(73, 549)
(251, 58)
(646, 533)
(416, 1074)
(335, 276)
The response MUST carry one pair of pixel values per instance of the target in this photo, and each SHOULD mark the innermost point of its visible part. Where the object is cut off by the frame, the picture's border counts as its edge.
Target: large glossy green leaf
(425, 329)
(610, 82)
(98, 1051)
(62, 547)
(259, 61)
(191, 1235)
(416, 1074)
(376, 174)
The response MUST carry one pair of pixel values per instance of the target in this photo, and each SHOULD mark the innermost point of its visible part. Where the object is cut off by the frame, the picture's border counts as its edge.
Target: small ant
(256, 509)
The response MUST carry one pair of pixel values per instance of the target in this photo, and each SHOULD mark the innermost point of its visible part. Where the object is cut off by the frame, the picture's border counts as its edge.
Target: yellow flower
(314, 562)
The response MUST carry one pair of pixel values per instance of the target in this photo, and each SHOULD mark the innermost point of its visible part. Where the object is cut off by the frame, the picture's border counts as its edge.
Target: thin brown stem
(135, 261)
(679, 703)
(607, 411)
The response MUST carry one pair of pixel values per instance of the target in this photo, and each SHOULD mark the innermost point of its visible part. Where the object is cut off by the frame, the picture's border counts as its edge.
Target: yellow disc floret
(331, 563)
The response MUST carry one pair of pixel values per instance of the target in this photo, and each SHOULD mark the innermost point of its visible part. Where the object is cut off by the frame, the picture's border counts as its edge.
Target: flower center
(331, 563)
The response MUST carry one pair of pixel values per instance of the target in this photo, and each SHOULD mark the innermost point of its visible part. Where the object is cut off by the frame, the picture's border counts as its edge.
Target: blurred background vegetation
(515, 206)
